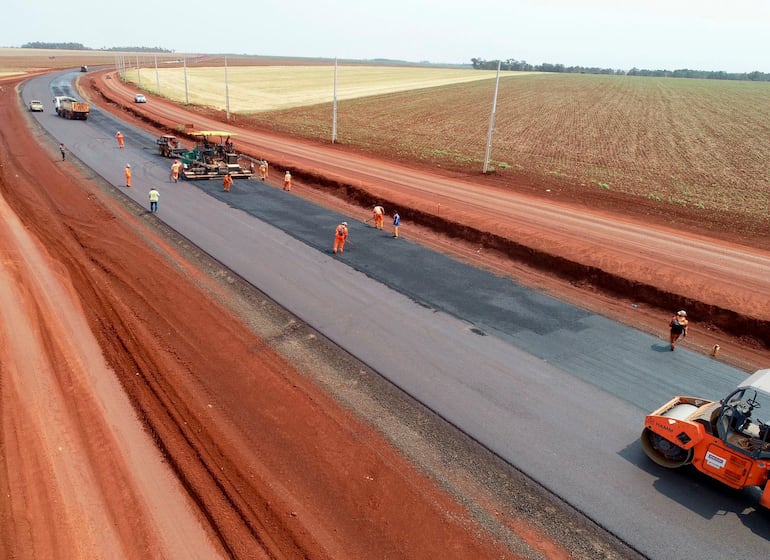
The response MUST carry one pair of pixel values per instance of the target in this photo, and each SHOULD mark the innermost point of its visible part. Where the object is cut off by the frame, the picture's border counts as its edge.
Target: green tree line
(513, 64)
(81, 47)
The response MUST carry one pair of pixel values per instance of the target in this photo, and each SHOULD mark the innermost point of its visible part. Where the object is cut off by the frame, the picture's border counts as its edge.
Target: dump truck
(213, 156)
(723, 439)
(71, 108)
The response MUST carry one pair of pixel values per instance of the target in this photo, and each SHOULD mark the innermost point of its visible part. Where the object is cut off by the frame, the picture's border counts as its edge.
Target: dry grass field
(254, 89)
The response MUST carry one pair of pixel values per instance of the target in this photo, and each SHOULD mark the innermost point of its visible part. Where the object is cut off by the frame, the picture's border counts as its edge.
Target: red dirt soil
(136, 425)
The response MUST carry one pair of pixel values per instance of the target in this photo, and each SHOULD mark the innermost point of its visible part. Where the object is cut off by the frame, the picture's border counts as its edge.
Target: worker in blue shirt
(396, 223)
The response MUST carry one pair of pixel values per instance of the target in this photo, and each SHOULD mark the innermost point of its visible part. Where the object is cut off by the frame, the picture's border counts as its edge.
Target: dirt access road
(136, 425)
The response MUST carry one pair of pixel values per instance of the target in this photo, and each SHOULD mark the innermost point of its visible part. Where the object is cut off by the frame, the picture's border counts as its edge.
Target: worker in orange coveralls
(378, 213)
(119, 138)
(340, 236)
(287, 181)
(263, 170)
(227, 182)
(128, 174)
(175, 167)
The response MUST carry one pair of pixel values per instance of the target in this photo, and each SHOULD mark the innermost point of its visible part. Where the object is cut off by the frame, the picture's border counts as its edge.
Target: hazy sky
(654, 34)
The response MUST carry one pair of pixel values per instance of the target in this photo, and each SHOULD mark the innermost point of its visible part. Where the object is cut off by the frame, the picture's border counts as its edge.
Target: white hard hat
(344, 223)
(128, 165)
(682, 313)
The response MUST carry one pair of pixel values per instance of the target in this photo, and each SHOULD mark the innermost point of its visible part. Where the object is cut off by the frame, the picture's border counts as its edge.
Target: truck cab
(57, 101)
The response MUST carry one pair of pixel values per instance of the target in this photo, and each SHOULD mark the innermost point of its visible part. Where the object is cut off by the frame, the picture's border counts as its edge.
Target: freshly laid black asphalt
(558, 392)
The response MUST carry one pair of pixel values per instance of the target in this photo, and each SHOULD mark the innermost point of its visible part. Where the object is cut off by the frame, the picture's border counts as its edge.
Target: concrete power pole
(227, 92)
(491, 122)
(186, 92)
(334, 106)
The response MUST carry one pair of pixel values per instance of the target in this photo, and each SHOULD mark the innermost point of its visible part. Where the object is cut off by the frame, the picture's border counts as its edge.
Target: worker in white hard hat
(287, 181)
(128, 174)
(340, 236)
(678, 327)
(175, 168)
(378, 213)
(119, 138)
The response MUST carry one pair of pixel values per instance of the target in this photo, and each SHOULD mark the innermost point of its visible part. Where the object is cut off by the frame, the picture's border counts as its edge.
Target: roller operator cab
(728, 440)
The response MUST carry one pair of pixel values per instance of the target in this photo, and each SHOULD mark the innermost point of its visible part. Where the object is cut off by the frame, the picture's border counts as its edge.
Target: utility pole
(491, 122)
(186, 94)
(334, 106)
(227, 92)
(157, 79)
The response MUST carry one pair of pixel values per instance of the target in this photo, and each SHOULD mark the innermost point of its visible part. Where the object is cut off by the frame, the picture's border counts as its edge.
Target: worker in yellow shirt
(154, 198)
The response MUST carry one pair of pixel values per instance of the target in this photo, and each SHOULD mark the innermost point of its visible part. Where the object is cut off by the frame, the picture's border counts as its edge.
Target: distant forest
(80, 47)
(512, 64)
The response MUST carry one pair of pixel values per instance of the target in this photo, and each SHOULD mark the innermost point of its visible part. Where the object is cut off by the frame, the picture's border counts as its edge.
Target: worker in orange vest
(340, 236)
(119, 138)
(287, 181)
(128, 174)
(175, 167)
(378, 213)
(263, 170)
(227, 182)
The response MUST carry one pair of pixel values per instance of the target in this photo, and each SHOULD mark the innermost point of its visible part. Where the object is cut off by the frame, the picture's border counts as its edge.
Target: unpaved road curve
(724, 285)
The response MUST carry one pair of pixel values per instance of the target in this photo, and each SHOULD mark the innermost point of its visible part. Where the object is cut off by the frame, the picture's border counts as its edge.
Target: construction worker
(227, 182)
(127, 171)
(287, 181)
(378, 213)
(340, 236)
(263, 170)
(396, 223)
(63, 151)
(175, 167)
(154, 197)
(119, 138)
(678, 326)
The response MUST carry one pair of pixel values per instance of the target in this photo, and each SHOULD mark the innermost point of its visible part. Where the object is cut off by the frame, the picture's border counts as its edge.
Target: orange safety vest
(342, 231)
